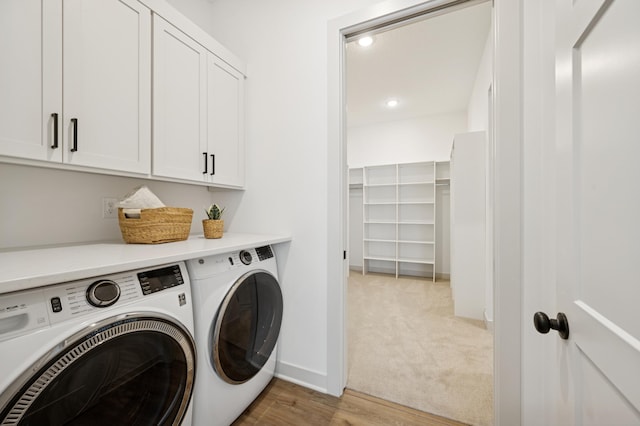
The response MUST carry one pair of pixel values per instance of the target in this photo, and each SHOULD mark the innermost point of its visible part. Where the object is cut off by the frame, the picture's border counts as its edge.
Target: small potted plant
(214, 225)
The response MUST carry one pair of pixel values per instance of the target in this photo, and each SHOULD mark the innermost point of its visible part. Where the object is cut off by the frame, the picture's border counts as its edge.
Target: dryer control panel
(210, 266)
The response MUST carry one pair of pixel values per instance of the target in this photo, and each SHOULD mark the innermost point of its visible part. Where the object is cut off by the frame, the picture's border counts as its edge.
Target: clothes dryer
(238, 313)
(111, 350)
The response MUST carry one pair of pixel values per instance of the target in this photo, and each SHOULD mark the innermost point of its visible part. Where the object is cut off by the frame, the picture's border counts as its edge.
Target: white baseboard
(488, 322)
(301, 376)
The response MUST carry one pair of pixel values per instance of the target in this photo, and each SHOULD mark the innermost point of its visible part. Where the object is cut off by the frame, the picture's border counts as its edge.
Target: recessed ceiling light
(391, 103)
(365, 41)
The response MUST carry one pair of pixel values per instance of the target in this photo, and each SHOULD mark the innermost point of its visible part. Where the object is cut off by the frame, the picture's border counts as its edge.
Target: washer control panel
(24, 311)
(160, 279)
(77, 298)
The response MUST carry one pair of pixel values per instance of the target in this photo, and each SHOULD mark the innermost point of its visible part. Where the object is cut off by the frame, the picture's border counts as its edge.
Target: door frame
(507, 233)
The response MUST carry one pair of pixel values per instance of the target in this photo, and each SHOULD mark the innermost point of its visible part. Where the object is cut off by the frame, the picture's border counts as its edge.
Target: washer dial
(103, 293)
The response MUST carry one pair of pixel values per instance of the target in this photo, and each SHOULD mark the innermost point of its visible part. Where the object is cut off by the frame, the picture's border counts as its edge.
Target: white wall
(42, 206)
(478, 108)
(284, 43)
(479, 119)
(426, 138)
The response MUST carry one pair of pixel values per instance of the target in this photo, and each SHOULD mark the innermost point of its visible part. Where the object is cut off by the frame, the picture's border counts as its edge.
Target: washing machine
(237, 312)
(111, 350)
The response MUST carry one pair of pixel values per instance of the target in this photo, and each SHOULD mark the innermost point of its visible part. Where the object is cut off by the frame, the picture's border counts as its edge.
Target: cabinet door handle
(213, 165)
(74, 147)
(54, 116)
(205, 163)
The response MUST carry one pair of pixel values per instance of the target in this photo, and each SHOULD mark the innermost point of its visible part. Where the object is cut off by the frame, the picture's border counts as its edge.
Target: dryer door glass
(247, 327)
(132, 371)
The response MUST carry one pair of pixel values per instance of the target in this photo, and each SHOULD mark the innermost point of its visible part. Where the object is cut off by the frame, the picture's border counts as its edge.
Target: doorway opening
(436, 68)
(507, 181)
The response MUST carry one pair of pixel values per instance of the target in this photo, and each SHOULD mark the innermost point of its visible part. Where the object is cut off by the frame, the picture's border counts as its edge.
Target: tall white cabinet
(76, 93)
(468, 224)
(399, 217)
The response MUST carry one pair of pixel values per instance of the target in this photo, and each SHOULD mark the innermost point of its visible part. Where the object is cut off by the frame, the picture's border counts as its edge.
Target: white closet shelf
(420, 261)
(387, 259)
(430, 182)
(399, 217)
(378, 185)
(413, 202)
(416, 222)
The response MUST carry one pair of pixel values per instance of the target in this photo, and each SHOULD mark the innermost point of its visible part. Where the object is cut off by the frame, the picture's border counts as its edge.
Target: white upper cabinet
(225, 130)
(30, 78)
(179, 89)
(76, 91)
(198, 111)
(100, 104)
(107, 84)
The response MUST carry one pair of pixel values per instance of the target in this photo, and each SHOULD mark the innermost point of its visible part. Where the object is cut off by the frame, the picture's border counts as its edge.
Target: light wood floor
(284, 403)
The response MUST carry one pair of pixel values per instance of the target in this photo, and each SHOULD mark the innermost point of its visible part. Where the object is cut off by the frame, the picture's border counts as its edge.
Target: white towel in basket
(140, 198)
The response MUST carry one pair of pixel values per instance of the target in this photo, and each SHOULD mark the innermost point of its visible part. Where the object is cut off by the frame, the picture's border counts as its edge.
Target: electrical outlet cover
(109, 208)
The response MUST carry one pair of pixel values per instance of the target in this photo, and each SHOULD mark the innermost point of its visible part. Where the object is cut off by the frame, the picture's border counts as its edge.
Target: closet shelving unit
(399, 217)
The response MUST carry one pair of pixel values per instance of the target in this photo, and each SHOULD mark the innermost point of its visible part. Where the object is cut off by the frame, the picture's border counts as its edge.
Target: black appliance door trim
(16, 400)
(259, 332)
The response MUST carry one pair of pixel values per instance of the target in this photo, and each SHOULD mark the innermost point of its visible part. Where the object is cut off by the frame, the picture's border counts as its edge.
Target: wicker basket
(156, 226)
(213, 228)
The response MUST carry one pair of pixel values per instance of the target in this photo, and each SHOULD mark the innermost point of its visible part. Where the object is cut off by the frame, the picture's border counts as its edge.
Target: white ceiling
(428, 66)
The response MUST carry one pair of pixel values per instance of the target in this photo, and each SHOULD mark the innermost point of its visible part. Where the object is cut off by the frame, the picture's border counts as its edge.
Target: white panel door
(107, 84)
(179, 101)
(30, 78)
(598, 147)
(225, 135)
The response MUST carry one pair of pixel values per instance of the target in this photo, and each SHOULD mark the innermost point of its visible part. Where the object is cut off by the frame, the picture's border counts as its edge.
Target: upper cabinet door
(107, 84)
(179, 105)
(30, 78)
(225, 130)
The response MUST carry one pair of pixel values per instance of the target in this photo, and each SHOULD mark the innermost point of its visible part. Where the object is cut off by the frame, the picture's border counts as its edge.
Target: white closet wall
(426, 138)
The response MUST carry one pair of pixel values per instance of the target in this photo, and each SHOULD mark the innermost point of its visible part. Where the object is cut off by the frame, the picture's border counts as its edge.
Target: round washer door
(246, 327)
(134, 369)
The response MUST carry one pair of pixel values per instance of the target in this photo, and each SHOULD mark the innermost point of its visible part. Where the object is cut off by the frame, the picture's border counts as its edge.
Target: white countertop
(30, 268)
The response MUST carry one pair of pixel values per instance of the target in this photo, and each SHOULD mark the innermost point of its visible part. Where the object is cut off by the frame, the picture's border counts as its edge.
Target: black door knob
(543, 324)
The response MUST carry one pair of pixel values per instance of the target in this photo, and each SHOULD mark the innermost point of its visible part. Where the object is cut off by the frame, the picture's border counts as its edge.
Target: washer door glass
(247, 326)
(133, 371)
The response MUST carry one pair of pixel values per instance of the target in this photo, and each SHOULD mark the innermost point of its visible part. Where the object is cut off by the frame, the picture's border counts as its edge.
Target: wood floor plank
(285, 403)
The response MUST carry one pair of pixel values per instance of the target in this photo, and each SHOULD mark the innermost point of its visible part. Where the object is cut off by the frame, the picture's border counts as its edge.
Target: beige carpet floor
(406, 346)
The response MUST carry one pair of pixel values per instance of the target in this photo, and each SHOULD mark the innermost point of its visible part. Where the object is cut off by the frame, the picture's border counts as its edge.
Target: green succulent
(214, 212)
